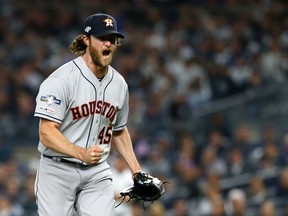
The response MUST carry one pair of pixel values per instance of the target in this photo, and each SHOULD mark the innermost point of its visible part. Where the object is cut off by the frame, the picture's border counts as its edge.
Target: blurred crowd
(176, 57)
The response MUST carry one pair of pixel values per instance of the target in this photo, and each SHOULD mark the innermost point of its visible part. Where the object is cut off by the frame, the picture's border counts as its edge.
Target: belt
(62, 160)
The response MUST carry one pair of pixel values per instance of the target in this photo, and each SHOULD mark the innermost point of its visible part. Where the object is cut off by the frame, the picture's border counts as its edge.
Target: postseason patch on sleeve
(50, 99)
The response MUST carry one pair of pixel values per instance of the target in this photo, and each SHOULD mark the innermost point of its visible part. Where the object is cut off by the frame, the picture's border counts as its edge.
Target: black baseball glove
(146, 188)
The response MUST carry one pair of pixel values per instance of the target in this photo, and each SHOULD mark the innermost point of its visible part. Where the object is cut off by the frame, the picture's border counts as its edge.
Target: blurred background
(208, 98)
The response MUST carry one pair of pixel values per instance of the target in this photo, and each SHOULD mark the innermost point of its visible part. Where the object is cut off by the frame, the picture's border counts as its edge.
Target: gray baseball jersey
(87, 108)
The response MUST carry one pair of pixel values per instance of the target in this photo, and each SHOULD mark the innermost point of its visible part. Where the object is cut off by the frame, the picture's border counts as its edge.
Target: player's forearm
(122, 143)
(52, 138)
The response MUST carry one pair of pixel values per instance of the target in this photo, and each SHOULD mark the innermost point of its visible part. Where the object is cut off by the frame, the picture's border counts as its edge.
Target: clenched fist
(93, 154)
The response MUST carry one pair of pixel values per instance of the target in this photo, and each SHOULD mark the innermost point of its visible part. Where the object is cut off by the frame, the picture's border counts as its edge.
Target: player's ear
(86, 39)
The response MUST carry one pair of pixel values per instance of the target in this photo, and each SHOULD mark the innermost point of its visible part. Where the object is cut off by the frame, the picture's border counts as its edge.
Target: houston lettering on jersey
(94, 107)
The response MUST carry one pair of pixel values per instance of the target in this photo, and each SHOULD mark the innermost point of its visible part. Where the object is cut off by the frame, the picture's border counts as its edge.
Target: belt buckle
(79, 164)
(82, 166)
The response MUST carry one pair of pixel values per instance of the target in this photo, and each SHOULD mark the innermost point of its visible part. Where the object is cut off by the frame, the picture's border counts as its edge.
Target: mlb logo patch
(47, 109)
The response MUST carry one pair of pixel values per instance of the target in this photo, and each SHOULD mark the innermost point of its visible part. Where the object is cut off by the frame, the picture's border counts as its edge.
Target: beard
(96, 57)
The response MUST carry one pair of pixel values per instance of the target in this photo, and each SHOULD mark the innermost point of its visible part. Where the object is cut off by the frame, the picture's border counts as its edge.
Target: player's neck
(98, 70)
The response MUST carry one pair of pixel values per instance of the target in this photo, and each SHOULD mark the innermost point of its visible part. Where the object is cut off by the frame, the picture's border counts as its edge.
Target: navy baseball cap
(100, 24)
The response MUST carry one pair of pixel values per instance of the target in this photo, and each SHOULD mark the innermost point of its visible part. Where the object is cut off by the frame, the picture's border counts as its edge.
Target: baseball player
(83, 109)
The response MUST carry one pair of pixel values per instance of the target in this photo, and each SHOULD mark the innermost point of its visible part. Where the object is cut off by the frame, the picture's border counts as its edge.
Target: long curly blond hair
(77, 46)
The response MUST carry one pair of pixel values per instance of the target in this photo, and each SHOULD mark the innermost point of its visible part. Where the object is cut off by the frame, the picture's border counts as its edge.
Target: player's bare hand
(93, 154)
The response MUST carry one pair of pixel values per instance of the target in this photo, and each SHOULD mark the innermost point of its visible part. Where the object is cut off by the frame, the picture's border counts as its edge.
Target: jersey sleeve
(122, 116)
(51, 101)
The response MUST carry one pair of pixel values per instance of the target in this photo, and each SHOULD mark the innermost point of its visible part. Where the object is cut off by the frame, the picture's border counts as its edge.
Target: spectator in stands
(158, 165)
(255, 80)
(6, 150)
(269, 133)
(185, 165)
(137, 209)
(256, 192)
(284, 151)
(222, 85)
(271, 61)
(236, 163)
(8, 209)
(180, 207)
(28, 199)
(237, 203)
(26, 105)
(267, 208)
(240, 73)
(157, 209)
(270, 157)
(13, 190)
(178, 111)
(194, 83)
(285, 210)
(219, 142)
(153, 114)
(218, 207)
(7, 125)
(282, 186)
(243, 139)
(210, 202)
(218, 121)
(212, 163)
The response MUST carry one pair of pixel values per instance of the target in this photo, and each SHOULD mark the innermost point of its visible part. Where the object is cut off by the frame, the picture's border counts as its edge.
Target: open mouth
(106, 53)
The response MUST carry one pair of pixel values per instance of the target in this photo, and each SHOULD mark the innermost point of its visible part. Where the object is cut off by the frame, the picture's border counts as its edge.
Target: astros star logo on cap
(108, 21)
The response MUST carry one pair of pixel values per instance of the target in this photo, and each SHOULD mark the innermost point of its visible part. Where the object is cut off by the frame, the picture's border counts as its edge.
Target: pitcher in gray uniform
(83, 109)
